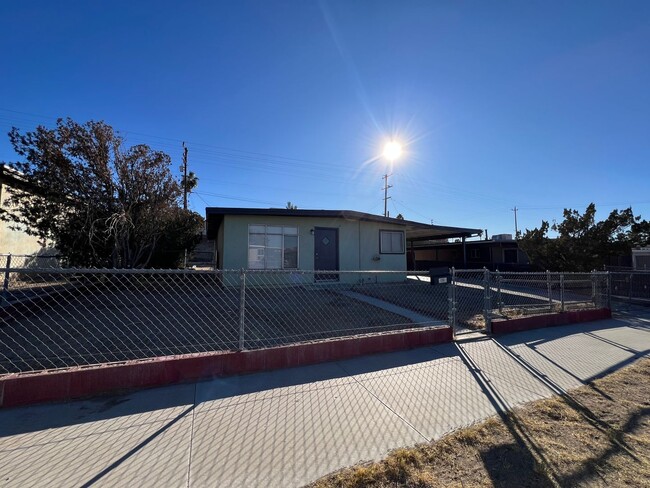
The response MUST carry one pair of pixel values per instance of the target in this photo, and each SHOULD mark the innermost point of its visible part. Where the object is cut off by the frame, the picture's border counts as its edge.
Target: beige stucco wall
(358, 244)
(15, 241)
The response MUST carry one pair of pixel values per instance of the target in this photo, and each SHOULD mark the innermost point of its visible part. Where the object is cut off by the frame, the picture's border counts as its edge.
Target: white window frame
(282, 249)
(391, 231)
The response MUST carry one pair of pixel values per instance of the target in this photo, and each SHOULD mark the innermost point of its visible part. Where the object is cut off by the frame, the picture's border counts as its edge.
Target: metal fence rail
(53, 317)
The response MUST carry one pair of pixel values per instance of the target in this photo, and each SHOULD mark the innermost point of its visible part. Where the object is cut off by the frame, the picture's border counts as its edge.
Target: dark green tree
(582, 243)
(102, 204)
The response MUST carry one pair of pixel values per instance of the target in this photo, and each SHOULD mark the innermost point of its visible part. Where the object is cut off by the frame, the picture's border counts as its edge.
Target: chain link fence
(56, 318)
(632, 286)
(31, 261)
(480, 296)
(53, 317)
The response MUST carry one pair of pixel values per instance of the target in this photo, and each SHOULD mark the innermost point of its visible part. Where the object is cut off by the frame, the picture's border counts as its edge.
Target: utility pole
(386, 197)
(184, 176)
(516, 228)
(184, 195)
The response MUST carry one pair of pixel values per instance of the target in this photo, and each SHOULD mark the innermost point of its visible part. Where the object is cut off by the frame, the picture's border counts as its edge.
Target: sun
(392, 150)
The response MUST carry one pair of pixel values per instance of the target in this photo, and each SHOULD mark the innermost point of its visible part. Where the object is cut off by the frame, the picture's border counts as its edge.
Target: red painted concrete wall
(30, 388)
(549, 320)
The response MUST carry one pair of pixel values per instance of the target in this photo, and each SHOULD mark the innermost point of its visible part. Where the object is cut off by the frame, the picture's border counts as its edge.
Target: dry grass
(597, 435)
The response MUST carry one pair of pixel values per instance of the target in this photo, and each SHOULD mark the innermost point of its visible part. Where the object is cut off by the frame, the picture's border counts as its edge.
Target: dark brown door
(326, 252)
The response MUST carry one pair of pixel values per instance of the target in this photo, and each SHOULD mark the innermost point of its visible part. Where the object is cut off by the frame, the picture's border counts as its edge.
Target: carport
(417, 232)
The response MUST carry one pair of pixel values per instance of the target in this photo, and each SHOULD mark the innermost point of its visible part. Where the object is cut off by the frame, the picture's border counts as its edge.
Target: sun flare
(392, 150)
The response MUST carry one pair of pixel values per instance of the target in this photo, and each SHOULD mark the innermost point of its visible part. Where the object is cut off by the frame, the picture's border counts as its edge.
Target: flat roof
(482, 242)
(414, 230)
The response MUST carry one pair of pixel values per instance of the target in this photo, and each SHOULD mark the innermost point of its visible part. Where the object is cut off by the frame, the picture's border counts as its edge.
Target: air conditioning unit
(502, 237)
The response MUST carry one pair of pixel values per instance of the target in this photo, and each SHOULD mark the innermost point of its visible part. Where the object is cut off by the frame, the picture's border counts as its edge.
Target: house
(641, 258)
(308, 240)
(15, 240)
(501, 252)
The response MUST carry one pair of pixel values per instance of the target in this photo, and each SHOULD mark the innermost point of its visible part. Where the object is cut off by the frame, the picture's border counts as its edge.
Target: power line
(415, 211)
(230, 197)
(278, 164)
(272, 164)
(194, 144)
(260, 162)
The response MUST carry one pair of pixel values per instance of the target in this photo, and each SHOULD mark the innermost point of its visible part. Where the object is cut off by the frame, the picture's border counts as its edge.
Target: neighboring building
(14, 241)
(501, 252)
(641, 258)
(254, 238)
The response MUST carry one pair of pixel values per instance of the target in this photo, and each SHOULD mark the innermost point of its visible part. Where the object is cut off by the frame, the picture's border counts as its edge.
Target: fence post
(242, 306)
(593, 287)
(609, 290)
(499, 302)
(550, 291)
(487, 301)
(5, 285)
(629, 290)
(452, 301)
(561, 292)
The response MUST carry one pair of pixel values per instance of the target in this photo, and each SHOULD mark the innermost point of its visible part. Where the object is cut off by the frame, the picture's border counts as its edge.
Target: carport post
(487, 301)
(464, 254)
(561, 292)
(242, 306)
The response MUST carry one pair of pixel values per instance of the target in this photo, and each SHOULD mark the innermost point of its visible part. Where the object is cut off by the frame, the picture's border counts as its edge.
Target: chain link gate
(478, 297)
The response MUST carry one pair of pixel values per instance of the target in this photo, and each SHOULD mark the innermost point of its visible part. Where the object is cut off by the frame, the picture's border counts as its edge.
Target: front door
(326, 252)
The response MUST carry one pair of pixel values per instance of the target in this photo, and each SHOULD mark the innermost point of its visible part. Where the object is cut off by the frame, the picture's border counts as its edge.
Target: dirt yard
(124, 318)
(595, 436)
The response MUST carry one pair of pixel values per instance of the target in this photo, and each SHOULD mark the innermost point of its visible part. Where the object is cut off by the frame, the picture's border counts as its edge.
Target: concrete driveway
(289, 427)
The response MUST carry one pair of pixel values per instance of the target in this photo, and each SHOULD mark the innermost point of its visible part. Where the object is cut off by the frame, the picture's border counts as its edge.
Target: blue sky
(539, 105)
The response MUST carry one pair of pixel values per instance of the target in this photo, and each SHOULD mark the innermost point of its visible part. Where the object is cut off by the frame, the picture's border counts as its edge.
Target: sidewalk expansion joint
(384, 403)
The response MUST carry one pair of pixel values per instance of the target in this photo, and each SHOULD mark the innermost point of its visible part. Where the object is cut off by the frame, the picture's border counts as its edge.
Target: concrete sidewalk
(287, 428)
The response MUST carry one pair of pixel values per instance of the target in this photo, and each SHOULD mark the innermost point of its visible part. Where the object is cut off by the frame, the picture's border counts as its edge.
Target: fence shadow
(278, 426)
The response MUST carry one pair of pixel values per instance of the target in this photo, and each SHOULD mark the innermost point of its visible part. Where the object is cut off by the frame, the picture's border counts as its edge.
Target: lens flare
(392, 150)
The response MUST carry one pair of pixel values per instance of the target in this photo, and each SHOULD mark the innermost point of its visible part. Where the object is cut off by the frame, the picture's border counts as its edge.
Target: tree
(582, 243)
(190, 183)
(291, 206)
(102, 204)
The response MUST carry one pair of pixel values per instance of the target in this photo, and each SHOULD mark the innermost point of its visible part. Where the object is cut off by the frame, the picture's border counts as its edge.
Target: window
(474, 253)
(510, 256)
(391, 242)
(272, 247)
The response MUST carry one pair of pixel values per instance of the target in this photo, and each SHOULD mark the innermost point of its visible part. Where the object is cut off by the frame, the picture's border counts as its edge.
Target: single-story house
(502, 252)
(317, 240)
